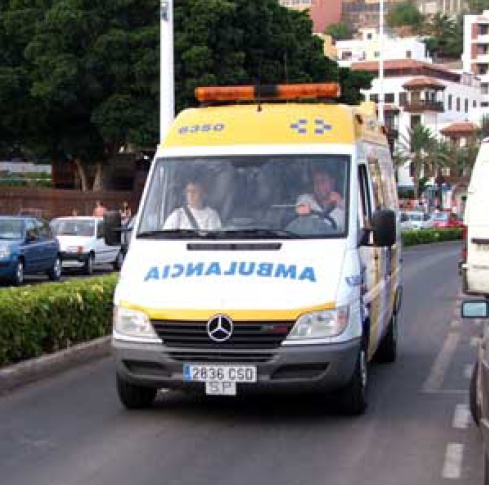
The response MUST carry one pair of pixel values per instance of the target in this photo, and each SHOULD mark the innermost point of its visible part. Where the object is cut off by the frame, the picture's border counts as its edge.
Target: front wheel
(353, 398)
(474, 406)
(117, 264)
(387, 351)
(18, 276)
(54, 273)
(133, 396)
(88, 268)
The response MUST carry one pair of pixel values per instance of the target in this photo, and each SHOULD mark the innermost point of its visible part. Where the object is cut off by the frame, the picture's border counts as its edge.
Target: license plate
(219, 373)
(220, 388)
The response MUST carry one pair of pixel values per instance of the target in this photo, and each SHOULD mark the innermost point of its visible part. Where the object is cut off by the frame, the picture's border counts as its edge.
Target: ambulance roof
(273, 123)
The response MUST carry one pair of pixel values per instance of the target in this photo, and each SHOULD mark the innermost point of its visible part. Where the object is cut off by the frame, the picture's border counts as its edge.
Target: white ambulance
(266, 251)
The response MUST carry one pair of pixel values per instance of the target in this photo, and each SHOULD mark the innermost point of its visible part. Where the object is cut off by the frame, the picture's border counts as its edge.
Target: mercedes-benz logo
(220, 328)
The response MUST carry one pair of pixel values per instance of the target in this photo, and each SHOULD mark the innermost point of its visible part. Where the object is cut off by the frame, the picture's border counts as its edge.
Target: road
(71, 429)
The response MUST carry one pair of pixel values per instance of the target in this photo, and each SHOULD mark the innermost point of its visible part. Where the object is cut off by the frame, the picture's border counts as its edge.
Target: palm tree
(419, 146)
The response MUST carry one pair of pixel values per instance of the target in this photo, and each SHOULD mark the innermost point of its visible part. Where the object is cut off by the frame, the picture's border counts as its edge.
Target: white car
(81, 239)
(419, 220)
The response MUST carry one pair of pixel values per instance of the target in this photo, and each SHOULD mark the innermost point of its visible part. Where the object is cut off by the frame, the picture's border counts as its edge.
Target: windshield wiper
(170, 232)
(259, 232)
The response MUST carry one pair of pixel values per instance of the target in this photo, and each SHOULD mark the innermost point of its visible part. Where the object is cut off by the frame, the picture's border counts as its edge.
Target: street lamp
(167, 76)
(381, 63)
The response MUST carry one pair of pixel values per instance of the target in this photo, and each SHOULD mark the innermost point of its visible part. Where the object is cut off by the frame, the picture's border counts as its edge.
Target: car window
(43, 229)
(11, 229)
(31, 230)
(415, 216)
(100, 230)
(426, 217)
(440, 216)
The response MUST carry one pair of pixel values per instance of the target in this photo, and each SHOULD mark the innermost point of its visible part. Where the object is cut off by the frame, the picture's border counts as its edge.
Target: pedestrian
(74, 212)
(125, 212)
(99, 209)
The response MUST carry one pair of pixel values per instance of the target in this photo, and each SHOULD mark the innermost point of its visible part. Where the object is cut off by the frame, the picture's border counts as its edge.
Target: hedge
(36, 320)
(426, 236)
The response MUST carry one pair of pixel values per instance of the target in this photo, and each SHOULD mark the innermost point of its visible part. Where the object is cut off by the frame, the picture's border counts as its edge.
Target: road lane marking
(461, 416)
(455, 324)
(452, 467)
(474, 341)
(468, 370)
(435, 379)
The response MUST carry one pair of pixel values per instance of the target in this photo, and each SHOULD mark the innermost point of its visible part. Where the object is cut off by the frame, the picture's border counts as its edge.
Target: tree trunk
(98, 181)
(82, 174)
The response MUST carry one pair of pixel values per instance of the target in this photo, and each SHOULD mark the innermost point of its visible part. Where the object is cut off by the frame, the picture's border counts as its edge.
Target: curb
(31, 370)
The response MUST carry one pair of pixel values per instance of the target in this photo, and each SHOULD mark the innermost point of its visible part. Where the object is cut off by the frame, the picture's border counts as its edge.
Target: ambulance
(266, 251)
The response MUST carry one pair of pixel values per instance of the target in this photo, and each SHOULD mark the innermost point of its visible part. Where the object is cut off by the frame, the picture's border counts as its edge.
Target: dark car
(27, 246)
(479, 383)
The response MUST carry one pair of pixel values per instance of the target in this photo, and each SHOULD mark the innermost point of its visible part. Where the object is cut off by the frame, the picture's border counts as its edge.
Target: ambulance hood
(228, 276)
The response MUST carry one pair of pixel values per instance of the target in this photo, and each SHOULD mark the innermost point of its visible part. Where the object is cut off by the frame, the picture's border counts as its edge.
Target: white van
(286, 275)
(475, 268)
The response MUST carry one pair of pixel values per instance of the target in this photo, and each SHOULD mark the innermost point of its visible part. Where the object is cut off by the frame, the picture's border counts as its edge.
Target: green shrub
(36, 320)
(426, 236)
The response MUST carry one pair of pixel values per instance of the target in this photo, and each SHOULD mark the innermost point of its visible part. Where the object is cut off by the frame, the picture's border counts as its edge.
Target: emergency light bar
(275, 91)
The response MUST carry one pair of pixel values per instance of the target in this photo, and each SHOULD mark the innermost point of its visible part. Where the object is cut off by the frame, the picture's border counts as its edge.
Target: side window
(100, 230)
(378, 189)
(365, 206)
(31, 230)
(43, 229)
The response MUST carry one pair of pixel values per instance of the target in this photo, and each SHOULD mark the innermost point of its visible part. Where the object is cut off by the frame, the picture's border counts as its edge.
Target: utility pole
(167, 75)
(381, 63)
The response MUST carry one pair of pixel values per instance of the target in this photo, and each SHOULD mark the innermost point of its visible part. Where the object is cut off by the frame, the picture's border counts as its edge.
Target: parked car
(446, 220)
(27, 246)
(419, 220)
(82, 243)
(479, 383)
(405, 222)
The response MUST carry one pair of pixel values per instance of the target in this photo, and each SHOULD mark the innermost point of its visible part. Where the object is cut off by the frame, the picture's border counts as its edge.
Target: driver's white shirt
(337, 214)
(207, 219)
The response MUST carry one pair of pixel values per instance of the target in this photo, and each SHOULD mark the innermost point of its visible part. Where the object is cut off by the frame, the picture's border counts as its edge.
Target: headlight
(320, 324)
(4, 251)
(133, 323)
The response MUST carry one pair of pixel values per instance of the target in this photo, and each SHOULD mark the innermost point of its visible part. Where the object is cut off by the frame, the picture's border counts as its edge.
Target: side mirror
(113, 227)
(475, 309)
(384, 228)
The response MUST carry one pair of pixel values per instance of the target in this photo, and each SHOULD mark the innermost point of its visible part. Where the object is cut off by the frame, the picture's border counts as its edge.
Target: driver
(324, 202)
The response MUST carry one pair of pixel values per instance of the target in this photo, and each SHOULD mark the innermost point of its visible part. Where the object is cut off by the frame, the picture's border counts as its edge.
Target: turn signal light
(276, 91)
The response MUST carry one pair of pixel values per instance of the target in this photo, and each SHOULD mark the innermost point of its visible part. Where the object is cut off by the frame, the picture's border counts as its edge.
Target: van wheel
(88, 267)
(387, 351)
(353, 398)
(54, 274)
(474, 407)
(133, 396)
(18, 276)
(117, 264)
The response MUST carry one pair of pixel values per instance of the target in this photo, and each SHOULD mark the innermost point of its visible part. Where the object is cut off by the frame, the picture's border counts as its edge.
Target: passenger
(324, 201)
(99, 210)
(195, 214)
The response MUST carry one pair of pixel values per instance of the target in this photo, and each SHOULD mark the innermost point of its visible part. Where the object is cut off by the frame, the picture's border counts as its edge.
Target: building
(449, 7)
(475, 56)
(322, 12)
(364, 13)
(366, 47)
(417, 91)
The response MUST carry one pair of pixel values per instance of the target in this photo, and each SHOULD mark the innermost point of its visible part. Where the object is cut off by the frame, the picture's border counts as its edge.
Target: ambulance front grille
(220, 357)
(246, 335)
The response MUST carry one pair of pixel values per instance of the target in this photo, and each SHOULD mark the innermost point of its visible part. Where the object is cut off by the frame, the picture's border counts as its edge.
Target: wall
(58, 202)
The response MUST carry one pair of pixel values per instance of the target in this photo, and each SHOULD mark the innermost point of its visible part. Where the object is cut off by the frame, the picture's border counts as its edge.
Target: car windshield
(11, 229)
(68, 227)
(440, 216)
(415, 216)
(266, 197)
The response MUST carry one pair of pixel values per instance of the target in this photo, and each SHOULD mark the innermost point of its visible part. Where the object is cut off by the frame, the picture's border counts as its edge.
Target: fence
(59, 202)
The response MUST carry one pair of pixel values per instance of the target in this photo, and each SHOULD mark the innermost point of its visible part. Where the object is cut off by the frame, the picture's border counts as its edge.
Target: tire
(117, 264)
(486, 467)
(88, 267)
(474, 406)
(387, 351)
(18, 276)
(353, 398)
(133, 396)
(54, 274)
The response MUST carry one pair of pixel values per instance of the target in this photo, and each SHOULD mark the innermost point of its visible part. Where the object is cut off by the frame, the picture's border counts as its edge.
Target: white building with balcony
(422, 92)
(367, 47)
(475, 56)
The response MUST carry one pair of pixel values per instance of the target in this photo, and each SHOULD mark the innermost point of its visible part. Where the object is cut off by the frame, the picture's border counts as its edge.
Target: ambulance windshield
(236, 197)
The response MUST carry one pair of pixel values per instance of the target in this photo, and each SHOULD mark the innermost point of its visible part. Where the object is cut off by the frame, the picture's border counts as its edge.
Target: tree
(340, 31)
(444, 35)
(418, 146)
(477, 6)
(405, 14)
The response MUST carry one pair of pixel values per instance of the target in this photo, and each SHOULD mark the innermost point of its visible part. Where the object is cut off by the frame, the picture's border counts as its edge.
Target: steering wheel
(326, 214)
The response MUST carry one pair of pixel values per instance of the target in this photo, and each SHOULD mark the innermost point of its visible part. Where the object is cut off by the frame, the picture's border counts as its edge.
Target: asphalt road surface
(71, 429)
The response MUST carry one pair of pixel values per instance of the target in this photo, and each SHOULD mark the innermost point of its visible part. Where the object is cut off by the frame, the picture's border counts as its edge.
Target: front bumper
(73, 260)
(303, 367)
(7, 267)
